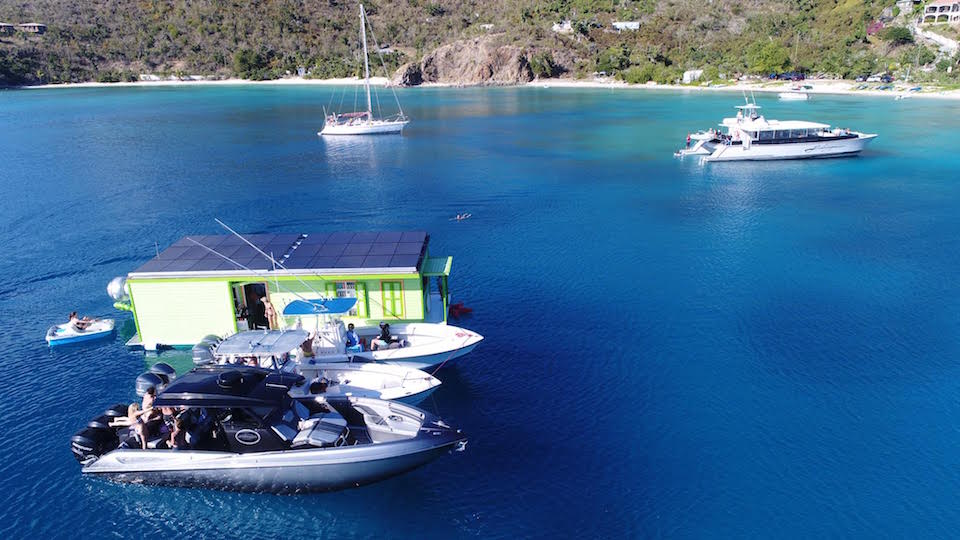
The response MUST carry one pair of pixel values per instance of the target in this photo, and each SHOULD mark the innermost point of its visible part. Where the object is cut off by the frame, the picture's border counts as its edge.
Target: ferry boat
(750, 136)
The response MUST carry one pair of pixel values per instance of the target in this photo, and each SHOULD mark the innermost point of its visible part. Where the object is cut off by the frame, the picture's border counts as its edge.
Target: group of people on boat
(354, 343)
(171, 428)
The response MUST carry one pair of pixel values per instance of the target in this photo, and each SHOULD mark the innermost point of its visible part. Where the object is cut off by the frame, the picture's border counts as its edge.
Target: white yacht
(363, 122)
(750, 136)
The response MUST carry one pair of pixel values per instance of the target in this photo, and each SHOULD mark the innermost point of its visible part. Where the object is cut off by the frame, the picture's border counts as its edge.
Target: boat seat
(322, 430)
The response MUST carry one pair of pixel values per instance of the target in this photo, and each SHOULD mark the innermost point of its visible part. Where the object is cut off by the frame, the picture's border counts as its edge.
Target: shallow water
(671, 350)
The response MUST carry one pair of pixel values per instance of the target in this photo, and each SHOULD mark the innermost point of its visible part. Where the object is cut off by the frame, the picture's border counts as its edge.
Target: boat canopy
(261, 343)
(223, 387)
(323, 306)
(353, 114)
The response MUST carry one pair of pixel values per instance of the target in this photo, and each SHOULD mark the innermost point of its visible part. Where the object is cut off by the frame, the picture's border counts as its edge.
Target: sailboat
(363, 122)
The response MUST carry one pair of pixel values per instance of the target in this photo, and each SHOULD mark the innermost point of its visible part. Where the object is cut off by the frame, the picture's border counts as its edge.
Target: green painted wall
(181, 313)
(412, 298)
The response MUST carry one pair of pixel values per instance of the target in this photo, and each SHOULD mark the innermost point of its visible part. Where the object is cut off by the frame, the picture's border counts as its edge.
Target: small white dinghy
(62, 334)
(365, 379)
(794, 95)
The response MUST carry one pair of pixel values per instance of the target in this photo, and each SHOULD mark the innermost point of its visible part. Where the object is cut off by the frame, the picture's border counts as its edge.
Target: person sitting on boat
(178, 436)
(385, 340)
(351, 337)
(307, 346)
(133, 413)
(79, 324)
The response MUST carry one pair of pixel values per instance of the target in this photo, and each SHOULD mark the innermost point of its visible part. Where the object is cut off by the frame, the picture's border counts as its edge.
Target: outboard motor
(114, 411)
(101, 422)
(165, 371)
(90, 443)
(147, 380)
(202, 355)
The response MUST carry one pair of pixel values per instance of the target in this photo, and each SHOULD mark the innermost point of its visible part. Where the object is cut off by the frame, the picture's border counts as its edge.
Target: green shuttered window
(392, 298)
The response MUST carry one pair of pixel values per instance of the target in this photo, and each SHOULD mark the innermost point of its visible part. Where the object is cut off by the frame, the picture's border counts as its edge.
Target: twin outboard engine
(203, 351)
(160, 375)
(98, 437)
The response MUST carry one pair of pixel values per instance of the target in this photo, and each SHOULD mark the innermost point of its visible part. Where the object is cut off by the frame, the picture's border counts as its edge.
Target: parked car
(791, 76)
(886, 79)
(861, 78)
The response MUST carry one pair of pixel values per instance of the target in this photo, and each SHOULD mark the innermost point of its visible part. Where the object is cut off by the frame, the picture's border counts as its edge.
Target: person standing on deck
(269, 313)
(258, 315)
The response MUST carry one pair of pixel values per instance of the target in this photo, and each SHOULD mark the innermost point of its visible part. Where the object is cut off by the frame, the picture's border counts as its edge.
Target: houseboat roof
(336, 253)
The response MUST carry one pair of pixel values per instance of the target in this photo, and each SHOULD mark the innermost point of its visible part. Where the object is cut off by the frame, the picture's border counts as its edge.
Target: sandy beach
(835, 87)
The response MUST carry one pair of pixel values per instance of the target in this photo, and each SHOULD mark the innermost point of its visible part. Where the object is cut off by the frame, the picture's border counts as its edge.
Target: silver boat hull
(297, 471)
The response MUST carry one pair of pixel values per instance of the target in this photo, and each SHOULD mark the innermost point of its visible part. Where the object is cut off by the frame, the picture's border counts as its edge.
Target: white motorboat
(363, 122)
(793, 95)
(63, 334)
(242, 430)
(328, 374)
(750, 136)
(366, 379)
(415, 345)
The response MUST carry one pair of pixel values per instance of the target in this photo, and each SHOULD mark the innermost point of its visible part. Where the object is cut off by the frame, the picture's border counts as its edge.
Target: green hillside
(110, 40)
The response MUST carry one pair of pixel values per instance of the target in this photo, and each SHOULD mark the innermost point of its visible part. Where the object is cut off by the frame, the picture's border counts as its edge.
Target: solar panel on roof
(307, 250)
(195, 252)
(357, 249)
(365, 237)
(298, 261)
(332, 250)
(180, 265)
(416, 236)
(233, 241)
(341, 238)
(377, 261)
(404, 261)
(276, 249)
(349, 261)
(285, 238)
(323, 262)
(408, 248)
(204, 265)
(154, 265)
(315, 238)
(173, 253)
(226, 265)
(383, 249)
(389, 237)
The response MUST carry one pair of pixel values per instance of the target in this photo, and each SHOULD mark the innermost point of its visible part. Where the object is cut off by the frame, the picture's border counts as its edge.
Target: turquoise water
(671, 350)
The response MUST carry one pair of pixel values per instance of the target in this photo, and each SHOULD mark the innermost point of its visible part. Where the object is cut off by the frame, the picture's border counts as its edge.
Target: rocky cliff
(478, 61)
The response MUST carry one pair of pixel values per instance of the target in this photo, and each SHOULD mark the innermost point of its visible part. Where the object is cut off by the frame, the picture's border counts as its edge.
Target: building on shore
(33, 28)
(6, 29)
(620, 26)
(187, 291)
(942, 11)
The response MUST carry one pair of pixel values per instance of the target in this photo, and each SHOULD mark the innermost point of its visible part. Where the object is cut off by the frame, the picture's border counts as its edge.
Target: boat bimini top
(261, 343)
(324, 306)
(221, 387)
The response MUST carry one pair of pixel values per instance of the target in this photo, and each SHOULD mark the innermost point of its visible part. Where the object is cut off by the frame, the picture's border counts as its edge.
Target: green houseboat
(204, 285)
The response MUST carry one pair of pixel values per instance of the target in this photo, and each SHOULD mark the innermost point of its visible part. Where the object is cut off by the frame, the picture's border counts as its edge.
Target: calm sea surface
(736, 350)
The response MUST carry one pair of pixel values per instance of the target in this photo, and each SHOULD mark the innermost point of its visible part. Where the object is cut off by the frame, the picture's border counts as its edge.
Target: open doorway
(250, 311)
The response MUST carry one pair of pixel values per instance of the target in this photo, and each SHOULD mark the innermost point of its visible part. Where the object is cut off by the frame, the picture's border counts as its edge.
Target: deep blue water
(737, 350)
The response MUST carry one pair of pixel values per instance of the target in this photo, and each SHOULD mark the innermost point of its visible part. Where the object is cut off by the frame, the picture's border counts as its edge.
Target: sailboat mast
(366, 64)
